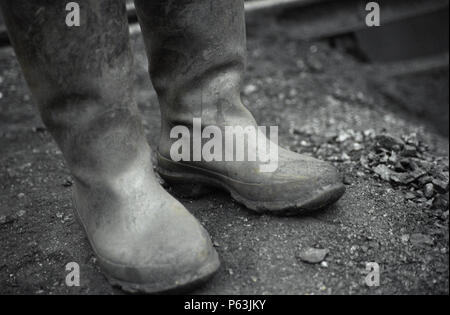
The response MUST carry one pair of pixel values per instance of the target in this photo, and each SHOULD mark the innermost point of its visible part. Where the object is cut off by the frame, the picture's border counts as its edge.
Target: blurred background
(413, 41)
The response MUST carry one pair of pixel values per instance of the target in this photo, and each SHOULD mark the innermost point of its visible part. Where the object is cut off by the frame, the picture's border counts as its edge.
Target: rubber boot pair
(80, 77)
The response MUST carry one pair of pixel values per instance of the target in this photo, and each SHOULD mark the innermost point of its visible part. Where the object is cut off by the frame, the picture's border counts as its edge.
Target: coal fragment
(428, 190)
(409, 151)
(389, 142)
(441, 186)
(383, 171)
(440, 202)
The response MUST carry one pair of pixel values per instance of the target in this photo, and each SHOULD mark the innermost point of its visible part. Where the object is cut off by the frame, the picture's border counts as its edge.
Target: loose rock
(429, 190)
(420, 239)
(313, 255)
(389, 142)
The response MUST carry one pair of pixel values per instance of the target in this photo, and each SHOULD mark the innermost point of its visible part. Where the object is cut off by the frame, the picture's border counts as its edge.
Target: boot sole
(187, 177)
(202, 275)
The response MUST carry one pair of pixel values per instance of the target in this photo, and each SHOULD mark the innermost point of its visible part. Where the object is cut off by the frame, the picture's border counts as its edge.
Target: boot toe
(317, 186)
(173, 253)
(159, 279)
(326, 187)
(300, 184)
(183, 271)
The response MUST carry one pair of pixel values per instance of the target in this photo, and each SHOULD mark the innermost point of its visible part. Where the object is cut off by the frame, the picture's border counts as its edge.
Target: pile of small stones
(403, 162)
(406, 162)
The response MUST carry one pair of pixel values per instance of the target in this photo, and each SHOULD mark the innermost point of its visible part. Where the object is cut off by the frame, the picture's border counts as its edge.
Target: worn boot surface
(197, 55)
(143, 238)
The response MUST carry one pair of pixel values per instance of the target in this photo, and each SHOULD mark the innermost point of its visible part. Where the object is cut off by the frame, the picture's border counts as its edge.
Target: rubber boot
(197, 57)
(80, 77)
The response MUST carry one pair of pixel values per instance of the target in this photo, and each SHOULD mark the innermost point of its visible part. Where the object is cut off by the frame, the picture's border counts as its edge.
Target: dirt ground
(320, 97)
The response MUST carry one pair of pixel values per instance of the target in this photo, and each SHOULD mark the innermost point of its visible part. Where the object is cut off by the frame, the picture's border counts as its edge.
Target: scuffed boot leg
(80, 77)
(76, 74)
(197, 60)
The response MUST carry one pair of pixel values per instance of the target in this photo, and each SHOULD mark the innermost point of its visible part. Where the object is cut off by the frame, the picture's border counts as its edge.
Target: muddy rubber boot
(80, 77)
(197, 53)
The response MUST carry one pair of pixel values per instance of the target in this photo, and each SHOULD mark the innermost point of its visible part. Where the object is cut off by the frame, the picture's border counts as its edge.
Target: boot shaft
(80, 78)
(197, 53)
(90, 60)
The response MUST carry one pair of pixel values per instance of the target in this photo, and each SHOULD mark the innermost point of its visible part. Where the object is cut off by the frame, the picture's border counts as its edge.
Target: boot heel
(189, 190)
(182, 181)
